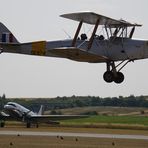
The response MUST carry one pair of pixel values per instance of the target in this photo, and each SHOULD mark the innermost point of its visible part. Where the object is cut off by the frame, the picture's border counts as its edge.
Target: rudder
(41, 110)
(6, 36)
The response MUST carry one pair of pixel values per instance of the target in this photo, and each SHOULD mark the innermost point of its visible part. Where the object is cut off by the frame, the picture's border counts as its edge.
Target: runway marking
(66, 134)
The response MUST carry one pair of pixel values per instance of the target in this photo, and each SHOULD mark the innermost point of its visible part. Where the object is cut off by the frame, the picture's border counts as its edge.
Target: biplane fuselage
(117, 51)
(116, 45)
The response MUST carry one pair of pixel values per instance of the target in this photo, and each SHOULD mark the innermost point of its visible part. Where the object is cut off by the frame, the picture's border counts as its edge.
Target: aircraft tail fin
(6, 36)
(41, 110)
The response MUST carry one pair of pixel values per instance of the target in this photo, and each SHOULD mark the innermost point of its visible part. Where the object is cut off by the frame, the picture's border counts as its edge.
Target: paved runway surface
(66, 134)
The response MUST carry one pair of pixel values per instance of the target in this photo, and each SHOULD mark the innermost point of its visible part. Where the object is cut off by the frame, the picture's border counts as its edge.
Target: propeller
(25, 115)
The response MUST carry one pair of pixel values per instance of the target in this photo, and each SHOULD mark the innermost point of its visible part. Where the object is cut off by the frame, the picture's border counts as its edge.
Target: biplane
(115, 47)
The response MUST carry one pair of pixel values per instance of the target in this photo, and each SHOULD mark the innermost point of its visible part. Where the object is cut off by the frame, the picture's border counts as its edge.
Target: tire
(28, 125)
(119, 78)
(108, 77)
(2, 124)
(37, 125)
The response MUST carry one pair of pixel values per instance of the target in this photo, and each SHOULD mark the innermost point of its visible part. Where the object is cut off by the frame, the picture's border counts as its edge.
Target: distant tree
(54, 112)
(90, 113)
(3, 96)
(2, 101)
(78, 101)
(142, 112)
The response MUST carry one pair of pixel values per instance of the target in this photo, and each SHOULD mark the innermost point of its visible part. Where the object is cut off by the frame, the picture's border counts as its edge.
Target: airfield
(70, 137)
(113, 127)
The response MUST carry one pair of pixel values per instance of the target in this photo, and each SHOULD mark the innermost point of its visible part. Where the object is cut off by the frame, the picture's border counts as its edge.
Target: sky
(33, 76)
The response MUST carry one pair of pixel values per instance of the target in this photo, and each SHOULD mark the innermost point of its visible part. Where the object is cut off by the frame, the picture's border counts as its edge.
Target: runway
(66, 134)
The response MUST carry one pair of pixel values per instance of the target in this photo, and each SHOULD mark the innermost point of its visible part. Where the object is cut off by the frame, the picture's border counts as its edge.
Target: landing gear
(1, 50)
(2, 123)
(28, 125)
(108, 76)
(119, 78)
(112, 75)
(37, 125)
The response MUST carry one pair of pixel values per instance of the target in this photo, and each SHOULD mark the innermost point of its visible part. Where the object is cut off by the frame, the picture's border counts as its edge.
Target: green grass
(138, 120)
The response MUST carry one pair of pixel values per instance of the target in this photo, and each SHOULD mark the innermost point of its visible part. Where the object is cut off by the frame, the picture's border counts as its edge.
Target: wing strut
(93, 34)
(76, 34)
(132, 32)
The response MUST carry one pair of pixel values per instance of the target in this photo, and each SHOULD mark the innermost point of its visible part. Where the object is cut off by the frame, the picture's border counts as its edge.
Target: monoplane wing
(78, 54)
(92, 18)
(46, 118)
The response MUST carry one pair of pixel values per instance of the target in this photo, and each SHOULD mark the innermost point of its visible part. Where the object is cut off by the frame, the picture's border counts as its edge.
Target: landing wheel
(28, 125)
(108, 76)
(2, 124)
(119, 78)
(1, 50)
(37, 125)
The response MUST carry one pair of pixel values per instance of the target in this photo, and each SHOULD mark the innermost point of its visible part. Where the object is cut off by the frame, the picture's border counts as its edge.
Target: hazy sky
(30, 76)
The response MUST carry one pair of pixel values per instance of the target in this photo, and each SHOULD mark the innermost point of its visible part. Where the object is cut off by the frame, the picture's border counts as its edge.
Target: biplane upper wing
(91, 18)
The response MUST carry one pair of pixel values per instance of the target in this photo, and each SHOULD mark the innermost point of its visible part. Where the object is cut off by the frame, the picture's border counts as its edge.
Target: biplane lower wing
(77, 54)
(71, 53)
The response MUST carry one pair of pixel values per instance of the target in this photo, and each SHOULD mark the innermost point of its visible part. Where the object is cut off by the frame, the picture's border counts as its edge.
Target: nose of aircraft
(7, 107)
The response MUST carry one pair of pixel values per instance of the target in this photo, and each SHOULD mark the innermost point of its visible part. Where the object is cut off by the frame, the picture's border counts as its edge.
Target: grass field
(135, 120)
(110, 122)
(108, 116)
(102, 121)
(105, 110)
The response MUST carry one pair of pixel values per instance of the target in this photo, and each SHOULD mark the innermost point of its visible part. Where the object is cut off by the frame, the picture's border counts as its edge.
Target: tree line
(77, 101)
